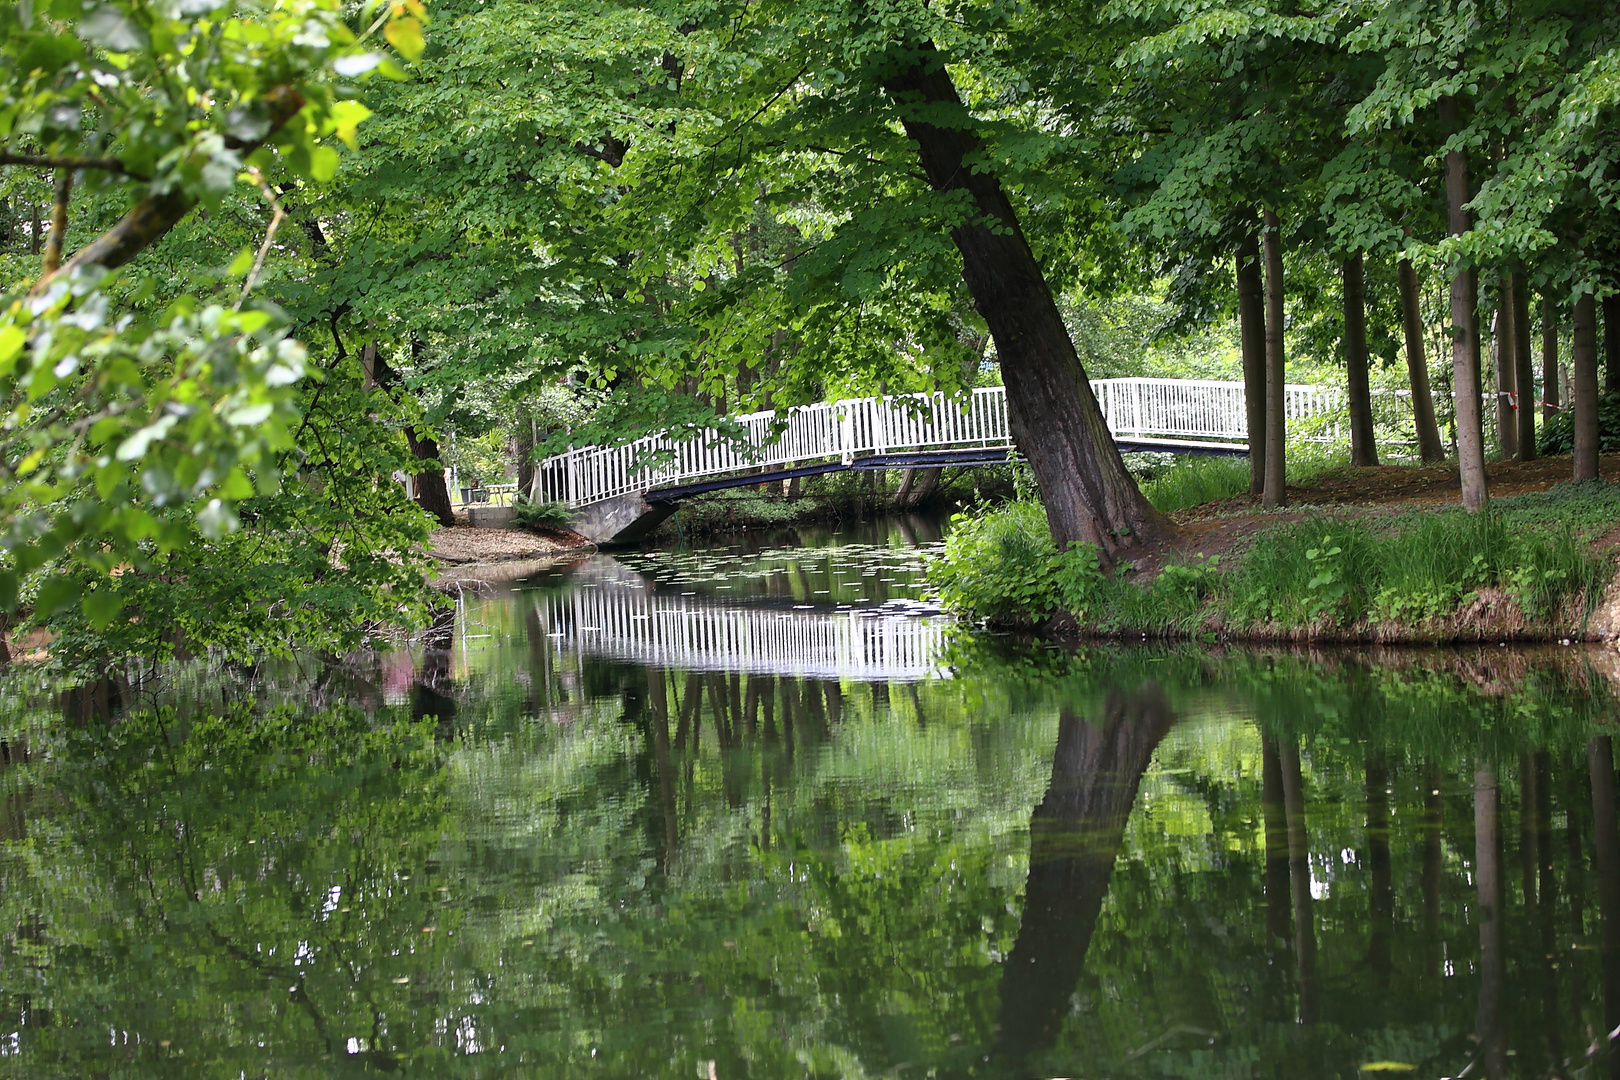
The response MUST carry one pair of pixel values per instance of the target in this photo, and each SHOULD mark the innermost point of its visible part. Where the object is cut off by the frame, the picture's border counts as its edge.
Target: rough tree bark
(1276, 488)
(1251, 289)
(1549, 357)
(1611, 344)
(1505, 339)
(1430, 447)
(1363, 448)
(1051, 409)
(1524, 379)
(1464, 330)
(1584, 389)
(432, 494)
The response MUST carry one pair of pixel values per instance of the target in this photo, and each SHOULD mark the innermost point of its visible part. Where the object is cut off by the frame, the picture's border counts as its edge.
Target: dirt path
(463, 545)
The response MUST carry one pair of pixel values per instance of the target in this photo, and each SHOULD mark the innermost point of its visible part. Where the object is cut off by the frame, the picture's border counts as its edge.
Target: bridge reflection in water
(613, 613)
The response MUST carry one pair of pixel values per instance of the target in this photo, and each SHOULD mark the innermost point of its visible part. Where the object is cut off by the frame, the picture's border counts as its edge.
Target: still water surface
(758, 812)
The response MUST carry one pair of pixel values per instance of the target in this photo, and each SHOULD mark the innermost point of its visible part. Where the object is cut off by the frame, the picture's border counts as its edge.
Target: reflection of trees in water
(1075, 836)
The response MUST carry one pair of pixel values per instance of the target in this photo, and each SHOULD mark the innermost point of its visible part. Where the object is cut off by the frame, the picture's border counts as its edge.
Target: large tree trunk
(1276, 488)
(1611, 344)
(1549, 357)
(1505, 337)
(1051, 409)
(1584, 377)
(432, 493)
(1464, 330)
(1430, 447)
(1363, 448)
(1251, 289)
(1524, 379)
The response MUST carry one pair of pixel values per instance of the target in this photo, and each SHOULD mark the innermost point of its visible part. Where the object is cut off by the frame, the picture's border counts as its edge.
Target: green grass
(1192, 481)
(1414, 569)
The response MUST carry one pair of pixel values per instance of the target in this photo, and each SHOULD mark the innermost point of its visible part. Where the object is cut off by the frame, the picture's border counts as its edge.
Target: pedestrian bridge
(624, 491)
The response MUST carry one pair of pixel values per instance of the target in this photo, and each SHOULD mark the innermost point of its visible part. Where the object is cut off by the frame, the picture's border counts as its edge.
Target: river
(760, 811)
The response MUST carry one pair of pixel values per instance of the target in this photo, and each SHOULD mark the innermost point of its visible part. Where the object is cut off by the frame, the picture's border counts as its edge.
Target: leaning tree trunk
(1505, 338)
(1251, 289)
(1276, 489)
(1430, 447)
(1363, 448)
(1524, 369)
(1584, 377)
(1051, 409)
(1549, 357)
(1464, 331)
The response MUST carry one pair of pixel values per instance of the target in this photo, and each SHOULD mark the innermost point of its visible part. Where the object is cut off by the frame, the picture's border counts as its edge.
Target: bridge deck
(925, 459)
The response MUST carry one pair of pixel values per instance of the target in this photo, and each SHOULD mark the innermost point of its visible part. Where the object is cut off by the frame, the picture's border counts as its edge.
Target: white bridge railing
(1144, 408)
(636, 625)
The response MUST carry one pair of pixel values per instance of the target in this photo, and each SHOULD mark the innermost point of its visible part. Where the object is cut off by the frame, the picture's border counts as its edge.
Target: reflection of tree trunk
(1433, 853)
(1299, 876)
(1606, 863)
(1488, 876)
(1381, 897)
(1528, 861)
(1547, 912)
(1074, 835)
(658, 698)
(1278, 910)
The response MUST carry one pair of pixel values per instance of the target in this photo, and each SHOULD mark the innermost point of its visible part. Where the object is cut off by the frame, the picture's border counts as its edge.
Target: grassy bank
(1532, 567)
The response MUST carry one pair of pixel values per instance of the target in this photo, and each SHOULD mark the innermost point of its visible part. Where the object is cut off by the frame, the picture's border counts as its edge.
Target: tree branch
(155, 215)
(57, 161)
(59, 218)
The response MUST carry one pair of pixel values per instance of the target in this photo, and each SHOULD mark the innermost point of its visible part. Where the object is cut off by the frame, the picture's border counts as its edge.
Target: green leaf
(405, 35)
(101, 608)
(57, 595)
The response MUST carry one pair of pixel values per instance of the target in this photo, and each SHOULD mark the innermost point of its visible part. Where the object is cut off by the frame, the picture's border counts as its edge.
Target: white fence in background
(1144, 408)
(639, 626)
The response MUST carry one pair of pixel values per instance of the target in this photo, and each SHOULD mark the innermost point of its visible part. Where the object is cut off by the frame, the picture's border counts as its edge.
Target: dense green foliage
(1414, 569)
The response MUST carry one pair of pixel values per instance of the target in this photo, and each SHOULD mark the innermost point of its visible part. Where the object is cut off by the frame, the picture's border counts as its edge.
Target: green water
(626, 826)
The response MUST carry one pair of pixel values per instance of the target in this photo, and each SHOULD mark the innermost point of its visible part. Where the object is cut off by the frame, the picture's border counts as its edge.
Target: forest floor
(1227, 525)
(463, 545)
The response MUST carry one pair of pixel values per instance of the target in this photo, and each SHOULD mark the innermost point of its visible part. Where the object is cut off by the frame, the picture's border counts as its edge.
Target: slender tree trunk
(1430, 448)
(1611, 344)
(1524, 379)
(1583, 367)
(1275, 493)
(1549, 357)
(1363, 447)
(1464, 331)
(1251, 290)
(1503, 338)
(1051, 409)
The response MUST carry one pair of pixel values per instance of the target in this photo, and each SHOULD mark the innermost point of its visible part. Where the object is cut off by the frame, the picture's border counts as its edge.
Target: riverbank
(1362, 556)
(463, 545)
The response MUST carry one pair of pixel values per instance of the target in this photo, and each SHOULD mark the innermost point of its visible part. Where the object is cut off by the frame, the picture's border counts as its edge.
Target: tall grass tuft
(1192, 481)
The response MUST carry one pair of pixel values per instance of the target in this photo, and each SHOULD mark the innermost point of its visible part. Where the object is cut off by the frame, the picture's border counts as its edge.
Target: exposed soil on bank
(1226, 526)
(463, 545)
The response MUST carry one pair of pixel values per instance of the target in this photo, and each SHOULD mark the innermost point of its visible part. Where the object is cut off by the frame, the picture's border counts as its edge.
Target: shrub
(998, 564)
(1557, 435)
(544, 516)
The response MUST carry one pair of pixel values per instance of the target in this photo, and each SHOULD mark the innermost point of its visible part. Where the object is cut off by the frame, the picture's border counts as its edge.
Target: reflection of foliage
(235, 879)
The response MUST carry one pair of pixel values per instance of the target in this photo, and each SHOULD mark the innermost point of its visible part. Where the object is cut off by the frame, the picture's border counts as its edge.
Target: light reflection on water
(616, 829)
